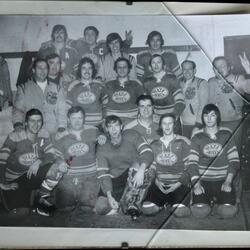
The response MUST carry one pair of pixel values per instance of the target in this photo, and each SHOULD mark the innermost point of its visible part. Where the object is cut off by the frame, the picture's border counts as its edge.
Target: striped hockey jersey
(114, 160)
(82, 151)
(18, 153)
(215, 157)
(122, 98)
(143, 68)
(172, 163)
(90, 97)
(167, 94)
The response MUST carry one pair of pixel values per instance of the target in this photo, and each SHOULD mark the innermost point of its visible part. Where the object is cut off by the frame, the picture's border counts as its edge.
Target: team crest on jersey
(190, 93)
(78, 149)
(159, 93)
(86, 97)
(212, 149)
(166, 158)
(27, 159)
(121, 96)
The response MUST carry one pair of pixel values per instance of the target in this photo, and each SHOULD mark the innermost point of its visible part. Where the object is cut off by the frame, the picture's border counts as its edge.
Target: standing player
(122, 151)
(174, 169)
(123, 92)
(145, 123)
(79, 186)
(87, 93)
(115, 47)
(215, 152)
(155, 42)
(195, 91)
(164, 89)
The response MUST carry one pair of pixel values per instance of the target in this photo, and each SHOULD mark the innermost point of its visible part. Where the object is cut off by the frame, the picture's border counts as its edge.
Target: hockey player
(122, 151)
(25, 159)
(195, 92)
(145, 123)
(123, 92)
(115, 47)
(79, 186)
(215, 152)
(173, 170)
(164, 89)
(58, 44)
(155, 42)
(46, 96)
(55, 73)
(88, 93)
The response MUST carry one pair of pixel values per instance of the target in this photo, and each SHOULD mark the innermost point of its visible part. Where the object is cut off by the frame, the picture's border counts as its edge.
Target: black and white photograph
(120, 122)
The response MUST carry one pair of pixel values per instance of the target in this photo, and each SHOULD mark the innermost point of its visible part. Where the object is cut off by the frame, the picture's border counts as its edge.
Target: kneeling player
(173, 171)
(125, 154)
(218, 160)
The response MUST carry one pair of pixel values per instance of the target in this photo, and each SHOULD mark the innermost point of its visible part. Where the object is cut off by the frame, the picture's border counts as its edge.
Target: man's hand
(18, 127)
(9, 186)
(101, 139)
(112, 202)
(198, 189)
(245, 62)
(172, 187)
(60, 133)
(226, 187)
(33, 168)
(139, 177)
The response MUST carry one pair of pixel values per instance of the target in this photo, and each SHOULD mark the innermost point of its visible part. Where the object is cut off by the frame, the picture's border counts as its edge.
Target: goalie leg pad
(102, 206)
(181, 210)
(149, 208)
(227, 211)
(200, 210)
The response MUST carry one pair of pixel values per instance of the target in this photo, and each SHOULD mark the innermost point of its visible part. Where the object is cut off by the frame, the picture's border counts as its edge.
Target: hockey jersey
(122, 98)
(82, 150)
(216, 157)
(167, 94)
(170, 58)
(172, 163)
(18, 153)
(114, 160)
(90, 97)
(196, 97)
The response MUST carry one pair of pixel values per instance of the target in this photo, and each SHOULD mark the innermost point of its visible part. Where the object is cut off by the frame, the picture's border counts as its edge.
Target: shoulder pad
(138, 82)
(168, 50)
(212, 79)
(18, 136)
(90, 127)
(61, 135)
(143, 52)
(98, 82)
(226, 129)
(73, 84)
(46, 44)
(198, 132)
(180, 137)
(131, 124)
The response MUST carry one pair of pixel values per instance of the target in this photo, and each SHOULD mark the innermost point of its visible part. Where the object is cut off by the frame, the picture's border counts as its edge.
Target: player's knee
(227, 210)
(149, 208)
(200, 210)
(180, 210)
(102, 206)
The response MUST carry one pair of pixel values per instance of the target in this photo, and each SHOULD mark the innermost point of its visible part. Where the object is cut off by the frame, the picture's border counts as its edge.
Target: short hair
(157, 55)
(91, 28)
(152, 34)
(217, 58)
(56, 28)
(85, 60)
(143, 98)
(189, 61)
(112, 119)
(111, 37)
(31, 112)
(207, 109)
(75, 109)
(37, 60)
(52, 56)
(171, 115)
(122, 59)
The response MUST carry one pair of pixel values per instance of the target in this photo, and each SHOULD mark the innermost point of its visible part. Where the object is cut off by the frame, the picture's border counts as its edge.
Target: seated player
(25, 159)
(155, 44)
(88, 93)
(115, 47)
(215, 152)
(79, 186)
(122, 162)
(123, 92)
(173, 172)
(145, 123)
(164, 88)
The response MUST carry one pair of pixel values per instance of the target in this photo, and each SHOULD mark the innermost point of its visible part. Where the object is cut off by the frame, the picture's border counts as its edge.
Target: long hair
(207, 109)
